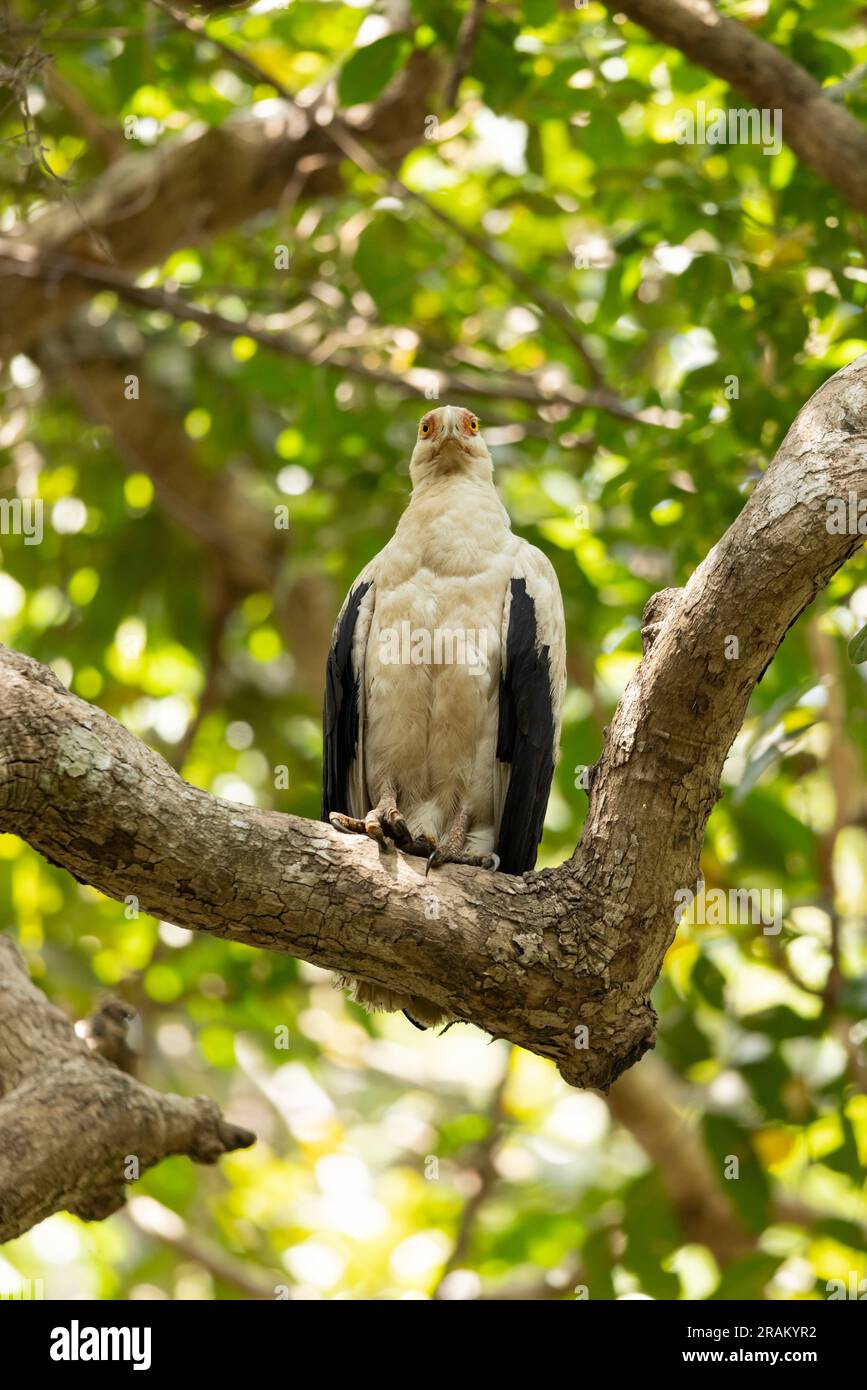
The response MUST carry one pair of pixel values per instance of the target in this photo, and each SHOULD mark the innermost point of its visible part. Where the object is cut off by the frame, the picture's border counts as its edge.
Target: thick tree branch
(649, 1103)
(74, 1129)
(529, 959)
(819, 129)
(192, 188)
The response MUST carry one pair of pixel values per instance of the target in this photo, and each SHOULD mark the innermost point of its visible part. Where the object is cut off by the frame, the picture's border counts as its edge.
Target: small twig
(118, 31)
(223, 608)
(467, 36)
(778, 955)
(486, 1172)
(25, 260)
(349, 144)
(839, 90)
(150, 1218)
(25, 66)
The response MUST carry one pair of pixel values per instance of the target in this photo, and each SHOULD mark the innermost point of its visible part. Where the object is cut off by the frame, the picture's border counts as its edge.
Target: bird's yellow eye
(474, 425)
(424, 428)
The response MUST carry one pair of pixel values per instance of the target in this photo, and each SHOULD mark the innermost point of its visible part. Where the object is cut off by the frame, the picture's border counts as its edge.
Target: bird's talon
(347, 825)
(440, 856)
(373, 828)
(395, 826)
(444, 854)
(351, 825)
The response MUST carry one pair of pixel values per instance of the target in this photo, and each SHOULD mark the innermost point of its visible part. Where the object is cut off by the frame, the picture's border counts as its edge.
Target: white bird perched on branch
(445, 680)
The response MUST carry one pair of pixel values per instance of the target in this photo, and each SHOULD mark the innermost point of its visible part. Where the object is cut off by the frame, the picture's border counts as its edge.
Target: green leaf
(845, 1159)
(371, 68)
(746, 1279)
(771, 755)
(781, 1022)
(709, 981)
(857, 648)
(748, 1192)
(652, 1233)
(539, 12)
(775, 711)
(393, 257)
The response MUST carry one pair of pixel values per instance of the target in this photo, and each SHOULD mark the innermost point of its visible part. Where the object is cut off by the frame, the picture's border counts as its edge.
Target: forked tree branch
(531, 959)
(74, 1129)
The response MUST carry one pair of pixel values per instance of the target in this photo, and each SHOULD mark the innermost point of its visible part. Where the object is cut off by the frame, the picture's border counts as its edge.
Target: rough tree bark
(529, 959)
(71, 1123)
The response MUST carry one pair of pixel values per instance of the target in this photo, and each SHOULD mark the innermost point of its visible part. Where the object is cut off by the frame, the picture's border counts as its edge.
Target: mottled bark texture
(74, 1128)
(821, 131)
(533, 959)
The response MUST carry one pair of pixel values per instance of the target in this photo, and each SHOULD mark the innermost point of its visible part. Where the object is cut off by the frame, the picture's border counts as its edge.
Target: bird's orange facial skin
(449, 442)
(431, 426)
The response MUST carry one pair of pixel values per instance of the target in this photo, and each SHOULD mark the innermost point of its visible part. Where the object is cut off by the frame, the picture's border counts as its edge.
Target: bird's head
(449, 441)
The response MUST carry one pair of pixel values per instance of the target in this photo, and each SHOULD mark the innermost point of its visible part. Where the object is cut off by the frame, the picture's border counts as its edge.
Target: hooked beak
(450, 426)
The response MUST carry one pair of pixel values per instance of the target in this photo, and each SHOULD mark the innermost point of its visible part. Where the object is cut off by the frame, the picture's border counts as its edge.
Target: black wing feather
(340, 710)
(525, 736)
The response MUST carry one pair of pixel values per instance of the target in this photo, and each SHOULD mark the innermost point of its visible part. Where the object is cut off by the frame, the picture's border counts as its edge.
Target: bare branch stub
(74, 1128)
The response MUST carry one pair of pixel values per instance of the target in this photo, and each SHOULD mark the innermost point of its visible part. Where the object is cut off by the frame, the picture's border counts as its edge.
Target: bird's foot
(420, 846)
(450, 850)
(383, 824)
(445, 854)
(386, 826)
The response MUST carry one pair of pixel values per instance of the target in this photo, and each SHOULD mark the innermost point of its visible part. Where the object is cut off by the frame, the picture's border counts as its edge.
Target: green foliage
(368, 70)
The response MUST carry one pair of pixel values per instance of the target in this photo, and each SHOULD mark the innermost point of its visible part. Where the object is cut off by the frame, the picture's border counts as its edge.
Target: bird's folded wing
(343, 777)
(532, 686)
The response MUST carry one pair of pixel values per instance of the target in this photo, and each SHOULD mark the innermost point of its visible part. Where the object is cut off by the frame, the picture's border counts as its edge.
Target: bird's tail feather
(378, 999)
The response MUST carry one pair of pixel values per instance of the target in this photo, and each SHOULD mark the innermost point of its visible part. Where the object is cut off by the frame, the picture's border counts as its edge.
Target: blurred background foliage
(708, 291)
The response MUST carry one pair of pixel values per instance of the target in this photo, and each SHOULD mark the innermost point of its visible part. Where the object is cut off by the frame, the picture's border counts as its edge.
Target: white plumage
(445, 680)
